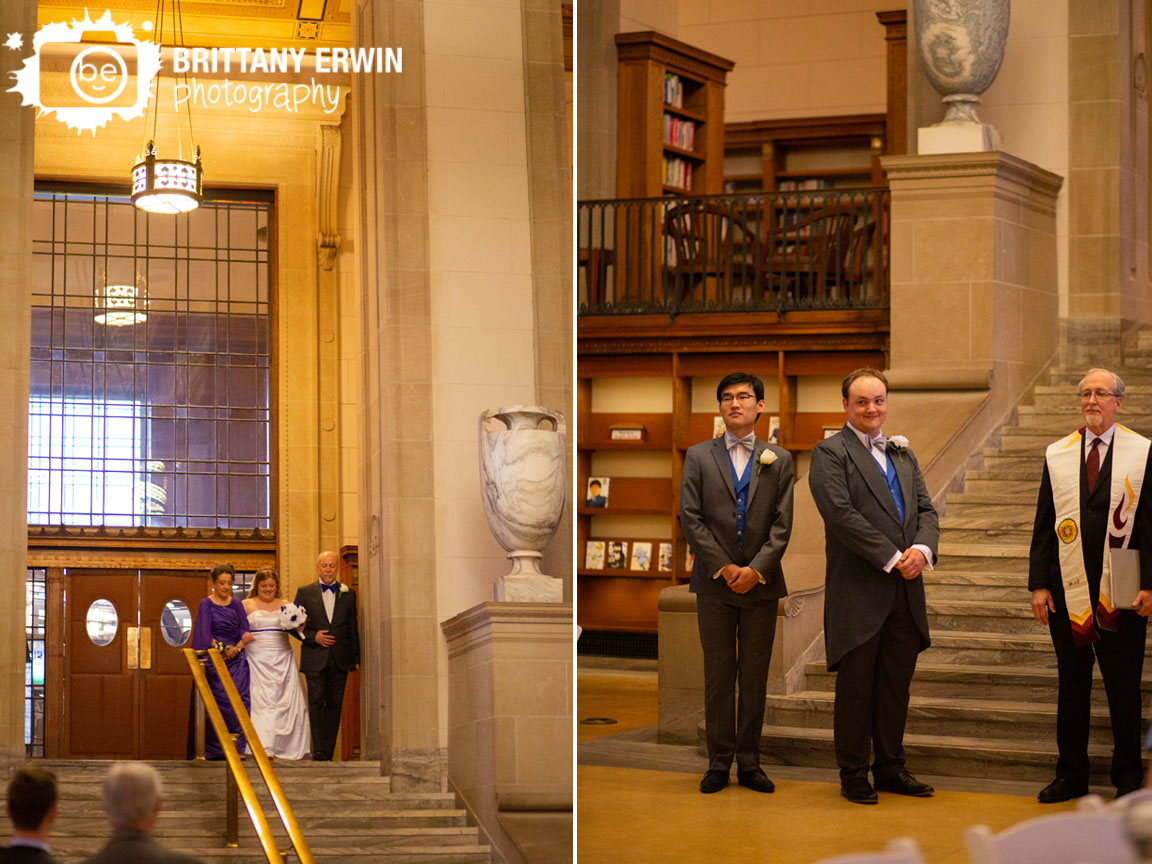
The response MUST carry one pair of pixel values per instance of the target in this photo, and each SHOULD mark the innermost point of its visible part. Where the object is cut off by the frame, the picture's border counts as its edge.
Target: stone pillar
(17, 132)
(400, 637)
(974, 299)
(596, 110)
(327, 336)
(510, 723)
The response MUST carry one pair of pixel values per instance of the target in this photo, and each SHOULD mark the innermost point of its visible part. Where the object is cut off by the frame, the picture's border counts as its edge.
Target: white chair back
(902, 850)
(1062, 838)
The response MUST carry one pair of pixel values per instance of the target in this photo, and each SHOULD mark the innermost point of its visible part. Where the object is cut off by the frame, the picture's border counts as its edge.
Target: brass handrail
(283, 808)
(231, 754)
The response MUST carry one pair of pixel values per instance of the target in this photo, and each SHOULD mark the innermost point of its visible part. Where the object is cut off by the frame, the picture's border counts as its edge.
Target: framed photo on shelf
(665, 561)
(717, 427)
(617, 555)
(594, 555)
(641, 556)
(829, 431)
(597, 492)
(774, 429)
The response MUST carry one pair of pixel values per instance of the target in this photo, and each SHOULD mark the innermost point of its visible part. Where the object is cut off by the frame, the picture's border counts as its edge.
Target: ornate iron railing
(780, 251)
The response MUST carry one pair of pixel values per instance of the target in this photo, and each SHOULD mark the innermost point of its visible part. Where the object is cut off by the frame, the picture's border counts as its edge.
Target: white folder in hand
(1125, 577)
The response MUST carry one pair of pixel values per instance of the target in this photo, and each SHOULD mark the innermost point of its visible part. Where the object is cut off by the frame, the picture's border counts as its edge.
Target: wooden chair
(902, 850)
(806, 259)
(1062, 838)
(709, 253)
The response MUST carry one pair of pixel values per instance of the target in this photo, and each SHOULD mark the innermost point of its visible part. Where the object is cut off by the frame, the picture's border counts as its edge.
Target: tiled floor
(639, 802)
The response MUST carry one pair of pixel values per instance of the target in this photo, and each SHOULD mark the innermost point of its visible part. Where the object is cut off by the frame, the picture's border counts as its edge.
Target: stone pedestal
(510, 724)
(956, 138)
(16, 148)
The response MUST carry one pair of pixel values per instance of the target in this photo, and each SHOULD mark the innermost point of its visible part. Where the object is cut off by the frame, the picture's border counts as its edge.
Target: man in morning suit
(736, 510)
(880, 532)
(32, 809)
(331, 648)
(132, 798)
(1092, 478)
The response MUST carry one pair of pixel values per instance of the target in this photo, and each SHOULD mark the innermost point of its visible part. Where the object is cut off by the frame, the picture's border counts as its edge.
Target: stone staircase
(984, 695)
(345, 810)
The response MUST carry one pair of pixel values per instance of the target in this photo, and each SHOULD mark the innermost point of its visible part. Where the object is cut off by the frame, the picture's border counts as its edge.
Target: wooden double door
(127, 686)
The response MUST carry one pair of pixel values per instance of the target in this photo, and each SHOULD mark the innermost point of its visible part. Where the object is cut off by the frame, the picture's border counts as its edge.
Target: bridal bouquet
(292, 616)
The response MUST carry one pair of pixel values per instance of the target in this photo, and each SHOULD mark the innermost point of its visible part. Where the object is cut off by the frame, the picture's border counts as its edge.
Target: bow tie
(331, 587)
(880, 442)
(748, 443)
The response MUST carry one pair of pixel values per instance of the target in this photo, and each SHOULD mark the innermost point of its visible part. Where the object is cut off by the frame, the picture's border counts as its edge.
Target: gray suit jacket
(862, 532)
(708, 516)
(139, 848)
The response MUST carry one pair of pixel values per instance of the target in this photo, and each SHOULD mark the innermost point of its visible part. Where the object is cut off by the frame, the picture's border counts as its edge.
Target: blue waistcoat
(893, 483)
(741, 484)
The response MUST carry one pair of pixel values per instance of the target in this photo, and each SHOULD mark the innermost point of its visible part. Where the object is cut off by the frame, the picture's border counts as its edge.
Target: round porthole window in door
(102, 621)
(176, 622)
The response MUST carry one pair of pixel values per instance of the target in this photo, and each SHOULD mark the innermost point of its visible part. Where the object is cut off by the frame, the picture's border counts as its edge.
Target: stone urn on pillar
(523, 484)
(961, 47)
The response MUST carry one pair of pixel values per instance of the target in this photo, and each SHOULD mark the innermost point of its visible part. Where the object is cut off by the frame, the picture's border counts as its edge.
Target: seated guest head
(265, 585)
(32, 800)
(132, 796)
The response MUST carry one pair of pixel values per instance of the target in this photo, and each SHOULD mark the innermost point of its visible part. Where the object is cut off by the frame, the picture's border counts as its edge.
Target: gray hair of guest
(1117, 381)
(131, 790)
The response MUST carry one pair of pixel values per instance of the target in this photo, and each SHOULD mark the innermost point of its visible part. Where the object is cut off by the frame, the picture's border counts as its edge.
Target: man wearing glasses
(736, 510)
(1091, 511)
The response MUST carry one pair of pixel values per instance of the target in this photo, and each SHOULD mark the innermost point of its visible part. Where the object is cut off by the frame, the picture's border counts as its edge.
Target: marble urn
(523, 485)
(961, 47)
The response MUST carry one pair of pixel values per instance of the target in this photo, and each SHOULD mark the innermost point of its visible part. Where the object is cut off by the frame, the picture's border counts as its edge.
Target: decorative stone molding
(327, 186)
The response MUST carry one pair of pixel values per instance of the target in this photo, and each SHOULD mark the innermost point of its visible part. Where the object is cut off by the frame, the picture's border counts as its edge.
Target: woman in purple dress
(221, 618)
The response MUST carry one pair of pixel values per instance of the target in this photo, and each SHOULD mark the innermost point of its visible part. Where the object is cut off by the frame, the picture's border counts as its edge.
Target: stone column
(400, 636)
(327, 336)
(17, 132)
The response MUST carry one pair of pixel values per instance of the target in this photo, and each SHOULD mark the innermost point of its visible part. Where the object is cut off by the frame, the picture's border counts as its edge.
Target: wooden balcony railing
(812, 249)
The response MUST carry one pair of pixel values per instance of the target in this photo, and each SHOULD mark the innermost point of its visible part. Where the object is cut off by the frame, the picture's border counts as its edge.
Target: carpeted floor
(638, 801)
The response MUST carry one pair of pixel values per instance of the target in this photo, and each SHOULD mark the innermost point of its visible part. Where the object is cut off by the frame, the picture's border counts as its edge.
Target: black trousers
(872, 688)
(737, 643)
(325, 698)
(1121, 658)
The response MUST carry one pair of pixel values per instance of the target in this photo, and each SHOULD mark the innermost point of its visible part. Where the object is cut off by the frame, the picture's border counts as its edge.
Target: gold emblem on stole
(1066, 530)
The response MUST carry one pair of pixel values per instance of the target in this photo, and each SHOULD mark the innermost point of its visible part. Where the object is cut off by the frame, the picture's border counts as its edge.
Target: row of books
(677, 172)
(673, 90)
(613, 555)
(679, 133)
(810, 183)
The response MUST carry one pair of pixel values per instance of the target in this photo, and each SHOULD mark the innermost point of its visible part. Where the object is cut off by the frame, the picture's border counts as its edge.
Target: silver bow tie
(880, 442)
(748, 443)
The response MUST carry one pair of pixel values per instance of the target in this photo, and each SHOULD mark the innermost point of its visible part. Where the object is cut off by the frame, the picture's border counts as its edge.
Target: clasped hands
(232, 650)
(911, 563)
(740, 579)
(1042, 604)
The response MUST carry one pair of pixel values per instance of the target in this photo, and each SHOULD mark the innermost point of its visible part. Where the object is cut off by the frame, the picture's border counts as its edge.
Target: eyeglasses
(1100, 395)
(728, 398)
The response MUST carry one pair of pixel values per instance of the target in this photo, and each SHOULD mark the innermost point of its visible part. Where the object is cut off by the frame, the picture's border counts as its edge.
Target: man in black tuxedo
(32, 809)
(132, 796)
(331, 648)
(1090, 487)
(880, 533)
(736, 511)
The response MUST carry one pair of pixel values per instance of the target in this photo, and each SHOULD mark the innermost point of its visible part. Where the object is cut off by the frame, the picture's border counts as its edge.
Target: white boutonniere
(898, 444)
(344, 588)
(767, 457)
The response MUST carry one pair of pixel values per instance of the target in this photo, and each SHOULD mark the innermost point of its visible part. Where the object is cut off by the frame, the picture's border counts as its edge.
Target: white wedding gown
(279, 710)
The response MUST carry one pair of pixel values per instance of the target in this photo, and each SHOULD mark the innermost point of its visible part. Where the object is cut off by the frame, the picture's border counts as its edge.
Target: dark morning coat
(708, 516)
(346, 651)
(862, 532)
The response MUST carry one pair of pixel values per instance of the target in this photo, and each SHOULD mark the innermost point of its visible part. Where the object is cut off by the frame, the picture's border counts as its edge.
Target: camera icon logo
(88, 71)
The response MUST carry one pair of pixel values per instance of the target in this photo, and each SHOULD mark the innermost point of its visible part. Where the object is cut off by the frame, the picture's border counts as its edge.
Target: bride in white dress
(279, 709)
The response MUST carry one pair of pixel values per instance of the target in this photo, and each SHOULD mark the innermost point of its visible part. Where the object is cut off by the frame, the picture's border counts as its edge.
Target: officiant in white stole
(279, 710)
(1091, 513)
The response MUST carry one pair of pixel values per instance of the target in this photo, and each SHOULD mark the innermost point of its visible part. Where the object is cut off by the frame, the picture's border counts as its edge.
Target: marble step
(1020, 495)
(982, 557)
(992, 509)
(992, 616)
(1020, 471)
(972, 681)
(1000, 534)
(935, 754)
(981, 648)
(992, 483)
(1013, 590)
(473, 854)
(938, 715)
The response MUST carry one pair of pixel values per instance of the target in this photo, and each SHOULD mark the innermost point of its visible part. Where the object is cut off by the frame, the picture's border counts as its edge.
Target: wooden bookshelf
(670, 113)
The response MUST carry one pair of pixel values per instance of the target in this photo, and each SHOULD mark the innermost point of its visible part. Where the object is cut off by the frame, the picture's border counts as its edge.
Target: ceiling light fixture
(168, 185)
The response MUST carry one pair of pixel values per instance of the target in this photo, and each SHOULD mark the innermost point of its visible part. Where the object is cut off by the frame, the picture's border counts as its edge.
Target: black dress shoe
(858, 790)
(714, 781)
(905, 784)
(1062, 789)
(756, 780)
